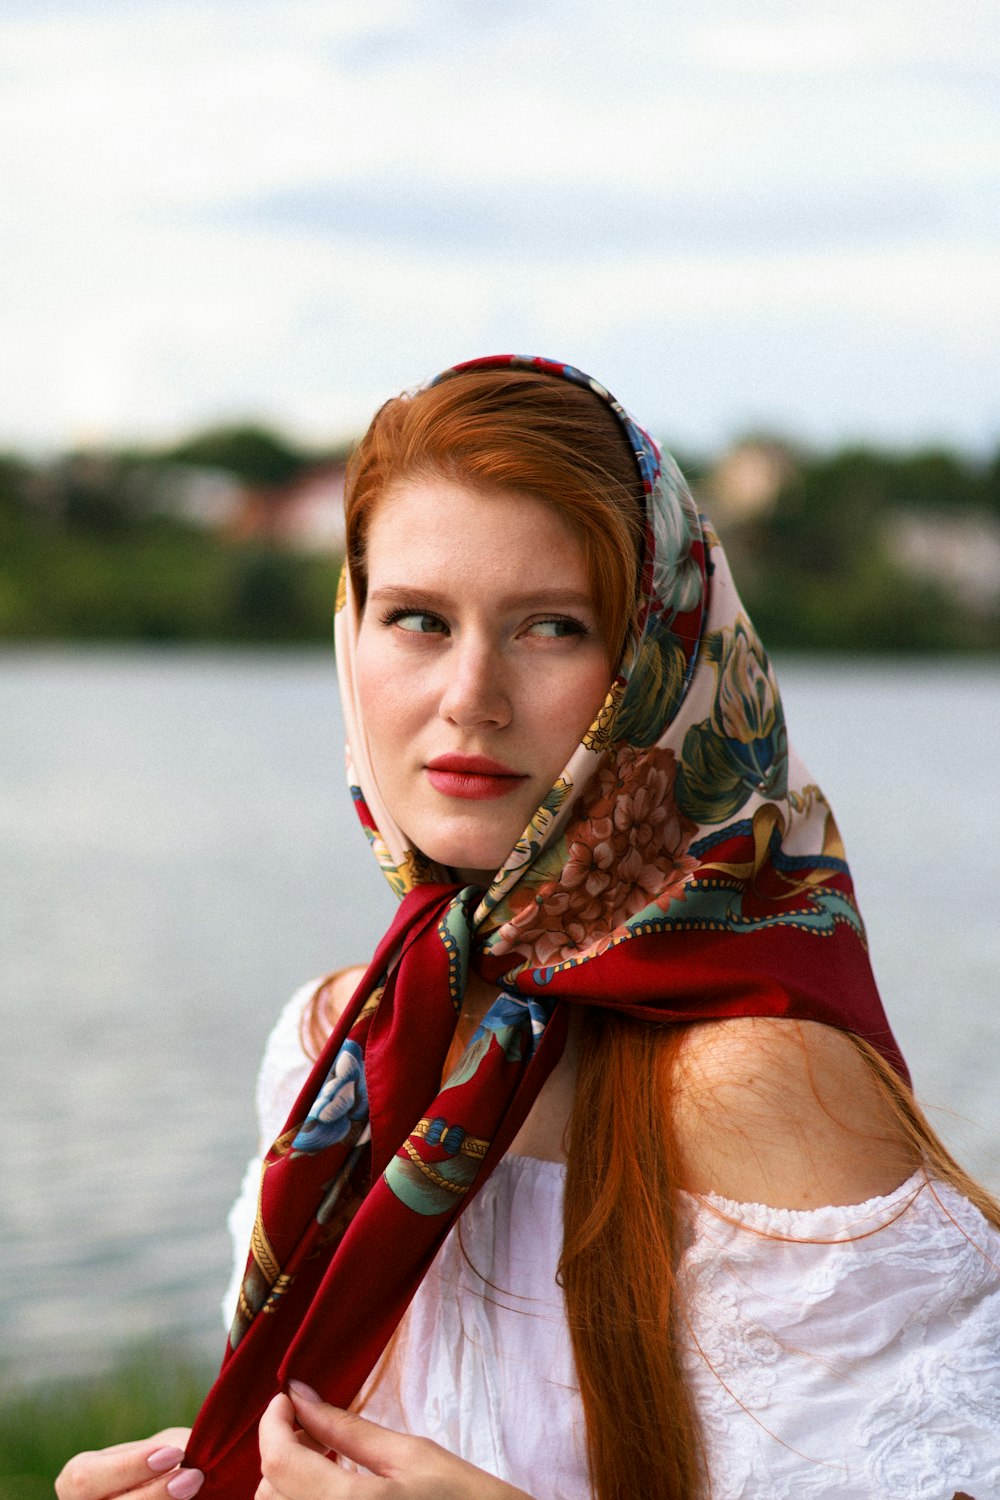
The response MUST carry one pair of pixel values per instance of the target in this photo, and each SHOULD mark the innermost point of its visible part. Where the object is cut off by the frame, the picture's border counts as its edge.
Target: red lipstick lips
(473, 777)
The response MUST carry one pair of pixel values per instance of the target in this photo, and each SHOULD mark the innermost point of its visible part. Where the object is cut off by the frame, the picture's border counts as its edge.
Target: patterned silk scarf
(684, 866)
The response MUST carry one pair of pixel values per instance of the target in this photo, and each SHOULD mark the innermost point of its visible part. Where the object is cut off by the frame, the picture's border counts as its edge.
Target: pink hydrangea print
(626, 850)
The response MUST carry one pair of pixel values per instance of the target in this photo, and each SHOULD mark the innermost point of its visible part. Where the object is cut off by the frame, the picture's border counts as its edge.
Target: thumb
(362, 1441)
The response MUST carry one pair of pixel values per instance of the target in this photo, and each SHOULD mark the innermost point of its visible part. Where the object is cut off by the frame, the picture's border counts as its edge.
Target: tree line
(858, 550)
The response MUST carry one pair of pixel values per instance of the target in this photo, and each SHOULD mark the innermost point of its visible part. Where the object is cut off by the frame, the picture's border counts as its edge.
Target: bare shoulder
(329, 1000)
(783, 1112)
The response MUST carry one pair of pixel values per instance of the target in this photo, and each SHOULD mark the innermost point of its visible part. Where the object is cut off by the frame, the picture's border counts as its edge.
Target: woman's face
(480, 664)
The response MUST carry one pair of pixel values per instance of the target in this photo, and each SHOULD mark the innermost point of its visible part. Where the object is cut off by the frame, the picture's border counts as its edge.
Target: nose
(474, 693)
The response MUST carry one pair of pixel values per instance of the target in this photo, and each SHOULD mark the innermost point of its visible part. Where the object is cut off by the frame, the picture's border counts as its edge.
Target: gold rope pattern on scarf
(472, 1145)
(457, 1188)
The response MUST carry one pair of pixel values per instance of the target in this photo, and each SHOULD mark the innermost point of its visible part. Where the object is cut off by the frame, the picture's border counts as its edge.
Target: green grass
(42, 1426)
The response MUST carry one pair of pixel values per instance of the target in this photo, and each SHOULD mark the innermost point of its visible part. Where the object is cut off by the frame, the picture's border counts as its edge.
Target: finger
(86, 1481)
(293, 1470)
(185, 1484)
(124, 1469)
(364, 1442)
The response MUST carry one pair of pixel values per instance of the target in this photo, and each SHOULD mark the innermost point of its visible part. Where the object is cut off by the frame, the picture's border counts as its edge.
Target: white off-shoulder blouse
(850, 1352)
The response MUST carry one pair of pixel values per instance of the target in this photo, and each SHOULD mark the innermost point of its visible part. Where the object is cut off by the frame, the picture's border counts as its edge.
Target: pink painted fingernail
(305, 1392)
(185, 1484)
(164, 1459)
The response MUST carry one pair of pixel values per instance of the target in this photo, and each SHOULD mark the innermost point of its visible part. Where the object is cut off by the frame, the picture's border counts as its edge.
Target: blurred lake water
(179, 852)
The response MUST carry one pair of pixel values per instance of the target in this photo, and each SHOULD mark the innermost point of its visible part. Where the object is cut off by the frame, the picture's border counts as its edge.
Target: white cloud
(847, 36)
(925, 288)
(291, 209)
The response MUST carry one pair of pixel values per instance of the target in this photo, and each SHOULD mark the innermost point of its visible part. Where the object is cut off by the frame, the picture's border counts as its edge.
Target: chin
(472, 866)
(480, 873)
(465, 845)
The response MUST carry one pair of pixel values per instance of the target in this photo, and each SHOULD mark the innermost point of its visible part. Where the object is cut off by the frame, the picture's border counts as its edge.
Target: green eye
(418, 622)
(558, 628)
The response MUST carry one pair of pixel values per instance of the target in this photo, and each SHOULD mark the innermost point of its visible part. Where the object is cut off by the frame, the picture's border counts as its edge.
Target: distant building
(304, 516)
(210, 498)
(960, 552)
(314, 516)
(746, 481)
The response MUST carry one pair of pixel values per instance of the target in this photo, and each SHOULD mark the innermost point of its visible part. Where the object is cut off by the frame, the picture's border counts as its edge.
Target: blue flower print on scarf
(340, 1103)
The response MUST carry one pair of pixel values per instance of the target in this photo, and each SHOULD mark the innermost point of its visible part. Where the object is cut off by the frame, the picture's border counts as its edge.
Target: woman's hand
(146, 1470)
(402, 1468)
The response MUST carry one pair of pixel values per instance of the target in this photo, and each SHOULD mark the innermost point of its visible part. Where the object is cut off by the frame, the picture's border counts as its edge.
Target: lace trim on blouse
(846, 1352)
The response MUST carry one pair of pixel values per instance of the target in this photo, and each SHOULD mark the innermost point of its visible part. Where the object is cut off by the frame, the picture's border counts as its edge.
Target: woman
(627, 973)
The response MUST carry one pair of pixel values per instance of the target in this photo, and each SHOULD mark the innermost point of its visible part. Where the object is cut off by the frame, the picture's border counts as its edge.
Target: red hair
(522, 430)
(501, 429)
(513, 430)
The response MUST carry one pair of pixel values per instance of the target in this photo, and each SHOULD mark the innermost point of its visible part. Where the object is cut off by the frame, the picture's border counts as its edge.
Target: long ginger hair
(518, 430)
(513, 430)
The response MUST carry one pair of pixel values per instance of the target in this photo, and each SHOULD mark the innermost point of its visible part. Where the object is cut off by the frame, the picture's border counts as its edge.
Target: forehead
(446, 526)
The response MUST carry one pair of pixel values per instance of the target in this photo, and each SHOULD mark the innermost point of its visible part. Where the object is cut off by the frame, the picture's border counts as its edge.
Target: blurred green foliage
(820, 571)
(92, 549)
(41, 1427)
(84, 555)
(253, 454)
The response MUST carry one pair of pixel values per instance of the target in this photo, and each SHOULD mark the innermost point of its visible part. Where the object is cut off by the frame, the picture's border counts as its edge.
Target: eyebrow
(537, 599)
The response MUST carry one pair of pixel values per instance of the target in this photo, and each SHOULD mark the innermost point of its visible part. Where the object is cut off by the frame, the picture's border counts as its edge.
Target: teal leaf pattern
(741, 750)
(655, 686)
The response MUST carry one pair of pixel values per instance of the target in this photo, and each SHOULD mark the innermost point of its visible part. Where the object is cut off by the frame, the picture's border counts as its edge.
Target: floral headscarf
(684, 866)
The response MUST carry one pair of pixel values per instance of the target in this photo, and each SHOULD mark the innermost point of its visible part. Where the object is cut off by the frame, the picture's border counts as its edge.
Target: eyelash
(577, 627)
(401, 612)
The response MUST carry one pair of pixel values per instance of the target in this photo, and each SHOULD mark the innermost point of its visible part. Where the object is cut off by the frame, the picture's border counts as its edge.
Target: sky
(779, 216)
